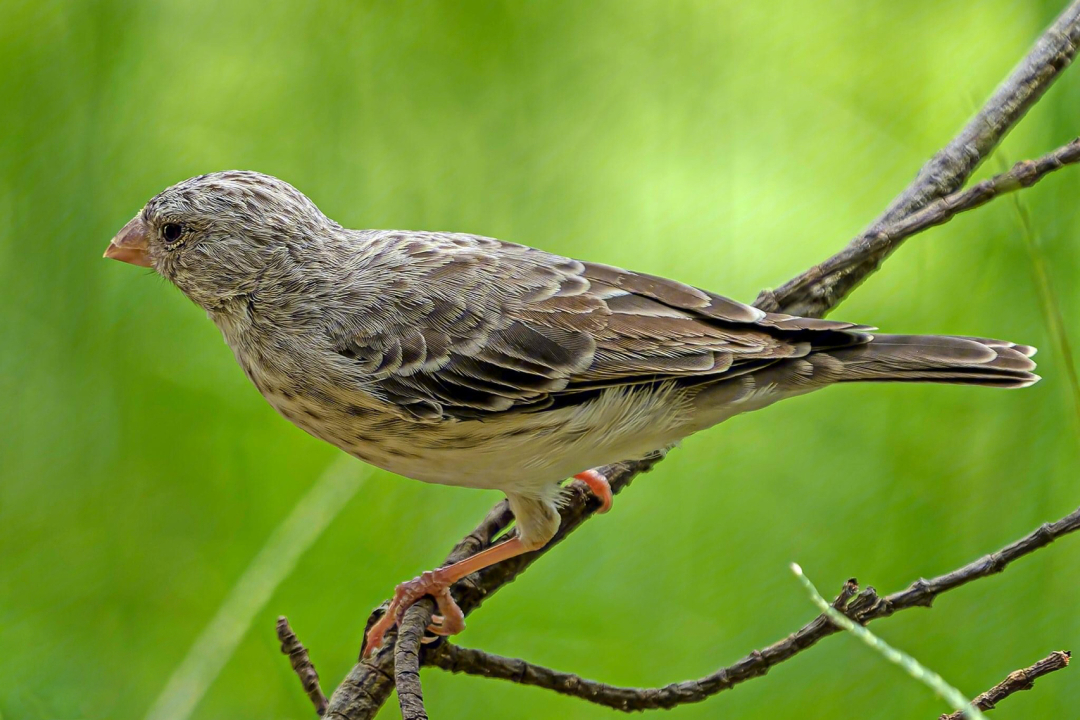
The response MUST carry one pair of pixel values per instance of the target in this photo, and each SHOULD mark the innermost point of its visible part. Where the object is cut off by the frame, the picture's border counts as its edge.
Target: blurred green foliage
(726, 144)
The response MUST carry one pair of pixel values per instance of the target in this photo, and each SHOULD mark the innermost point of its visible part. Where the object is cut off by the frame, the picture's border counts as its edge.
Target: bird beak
(130, 244)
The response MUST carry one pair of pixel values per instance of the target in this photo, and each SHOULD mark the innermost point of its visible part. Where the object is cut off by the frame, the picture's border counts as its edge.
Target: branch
(863, 608)
(950, 168)
(822, 288)
(301, 664)
(407, 660)
(456, 659)
(370, 682)
(1017, 681)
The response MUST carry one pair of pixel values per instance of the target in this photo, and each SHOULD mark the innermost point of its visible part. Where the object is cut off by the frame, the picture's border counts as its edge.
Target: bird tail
(869, 358)
(937, 358)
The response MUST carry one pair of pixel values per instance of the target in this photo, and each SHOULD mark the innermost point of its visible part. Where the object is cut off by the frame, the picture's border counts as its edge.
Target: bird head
(216, 236)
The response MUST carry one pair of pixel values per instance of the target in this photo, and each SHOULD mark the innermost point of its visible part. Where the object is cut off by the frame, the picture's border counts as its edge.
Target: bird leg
(436, 583)
(599, 486)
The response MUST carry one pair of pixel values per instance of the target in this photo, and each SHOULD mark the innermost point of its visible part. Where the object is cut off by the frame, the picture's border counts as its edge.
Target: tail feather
(1025, 350)
(937, 358)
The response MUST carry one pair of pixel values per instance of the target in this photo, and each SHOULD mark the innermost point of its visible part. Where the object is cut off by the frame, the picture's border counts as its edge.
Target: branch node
(1045, 533)
(766, 300)
(924, 591)
(865, 603)
(850, 589)
(1026, 172)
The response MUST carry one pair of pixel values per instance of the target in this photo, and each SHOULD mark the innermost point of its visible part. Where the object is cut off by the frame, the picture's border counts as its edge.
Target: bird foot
(436, 583)
(599, 486)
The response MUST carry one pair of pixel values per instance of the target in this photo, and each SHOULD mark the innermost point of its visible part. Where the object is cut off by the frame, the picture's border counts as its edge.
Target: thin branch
(1017, 681)
(370, 682)
(301, 664)
(823, 287)
(905, 661)
(951, 166)
(407, 660)
(456, 659)
(806, 293)
(862, 607)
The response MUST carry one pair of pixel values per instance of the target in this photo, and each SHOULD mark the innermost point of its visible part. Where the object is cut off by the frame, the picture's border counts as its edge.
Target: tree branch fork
(933, 198)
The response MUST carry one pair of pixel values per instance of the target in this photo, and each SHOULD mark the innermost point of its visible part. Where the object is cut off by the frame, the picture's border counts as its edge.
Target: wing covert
(474, 327)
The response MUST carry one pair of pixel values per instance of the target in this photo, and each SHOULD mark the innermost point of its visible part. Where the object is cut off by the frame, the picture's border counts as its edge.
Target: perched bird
(463, 360)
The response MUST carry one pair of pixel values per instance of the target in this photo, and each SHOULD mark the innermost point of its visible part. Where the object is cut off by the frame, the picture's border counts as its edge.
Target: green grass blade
(918, 671)
(275, 561)
(1051, 305)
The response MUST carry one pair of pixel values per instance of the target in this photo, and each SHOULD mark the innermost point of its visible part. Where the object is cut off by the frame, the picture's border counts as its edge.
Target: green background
(727, 144)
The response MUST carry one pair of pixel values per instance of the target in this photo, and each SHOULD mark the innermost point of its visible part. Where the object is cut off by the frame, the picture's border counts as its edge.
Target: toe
(599, 486)
(439, 630)
(375, 635)
(451, 620)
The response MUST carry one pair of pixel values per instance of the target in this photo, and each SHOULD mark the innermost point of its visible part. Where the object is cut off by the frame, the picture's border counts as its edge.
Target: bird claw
(599, 486)
(449, 621)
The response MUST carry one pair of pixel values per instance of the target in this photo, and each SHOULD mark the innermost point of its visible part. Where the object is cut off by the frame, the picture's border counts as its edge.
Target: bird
(464, 360)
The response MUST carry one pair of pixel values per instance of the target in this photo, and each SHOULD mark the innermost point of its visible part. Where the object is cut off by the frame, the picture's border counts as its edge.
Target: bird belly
(523, 453)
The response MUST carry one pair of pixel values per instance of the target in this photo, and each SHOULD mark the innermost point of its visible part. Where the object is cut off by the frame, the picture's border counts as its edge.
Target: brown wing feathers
(522, 329)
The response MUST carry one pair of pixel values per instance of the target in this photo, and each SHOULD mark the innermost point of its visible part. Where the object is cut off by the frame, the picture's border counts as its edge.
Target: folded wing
(473, 327)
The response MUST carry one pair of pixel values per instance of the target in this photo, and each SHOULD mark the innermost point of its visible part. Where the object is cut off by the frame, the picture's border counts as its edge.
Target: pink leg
(599, 486)
(437, 584)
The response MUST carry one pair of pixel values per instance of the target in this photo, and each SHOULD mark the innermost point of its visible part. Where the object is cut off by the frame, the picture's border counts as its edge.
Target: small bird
(464, 360)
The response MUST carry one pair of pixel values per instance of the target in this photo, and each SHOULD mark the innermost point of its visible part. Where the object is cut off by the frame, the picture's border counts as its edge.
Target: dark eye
(171, 232)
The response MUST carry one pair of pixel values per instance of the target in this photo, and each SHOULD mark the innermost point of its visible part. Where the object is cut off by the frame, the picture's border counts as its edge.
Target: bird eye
(171, 232)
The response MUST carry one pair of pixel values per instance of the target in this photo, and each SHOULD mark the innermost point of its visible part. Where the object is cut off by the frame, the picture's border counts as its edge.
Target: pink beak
(131, 244)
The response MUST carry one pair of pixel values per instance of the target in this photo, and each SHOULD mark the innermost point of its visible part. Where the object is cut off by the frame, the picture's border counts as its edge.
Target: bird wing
(471, 327)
